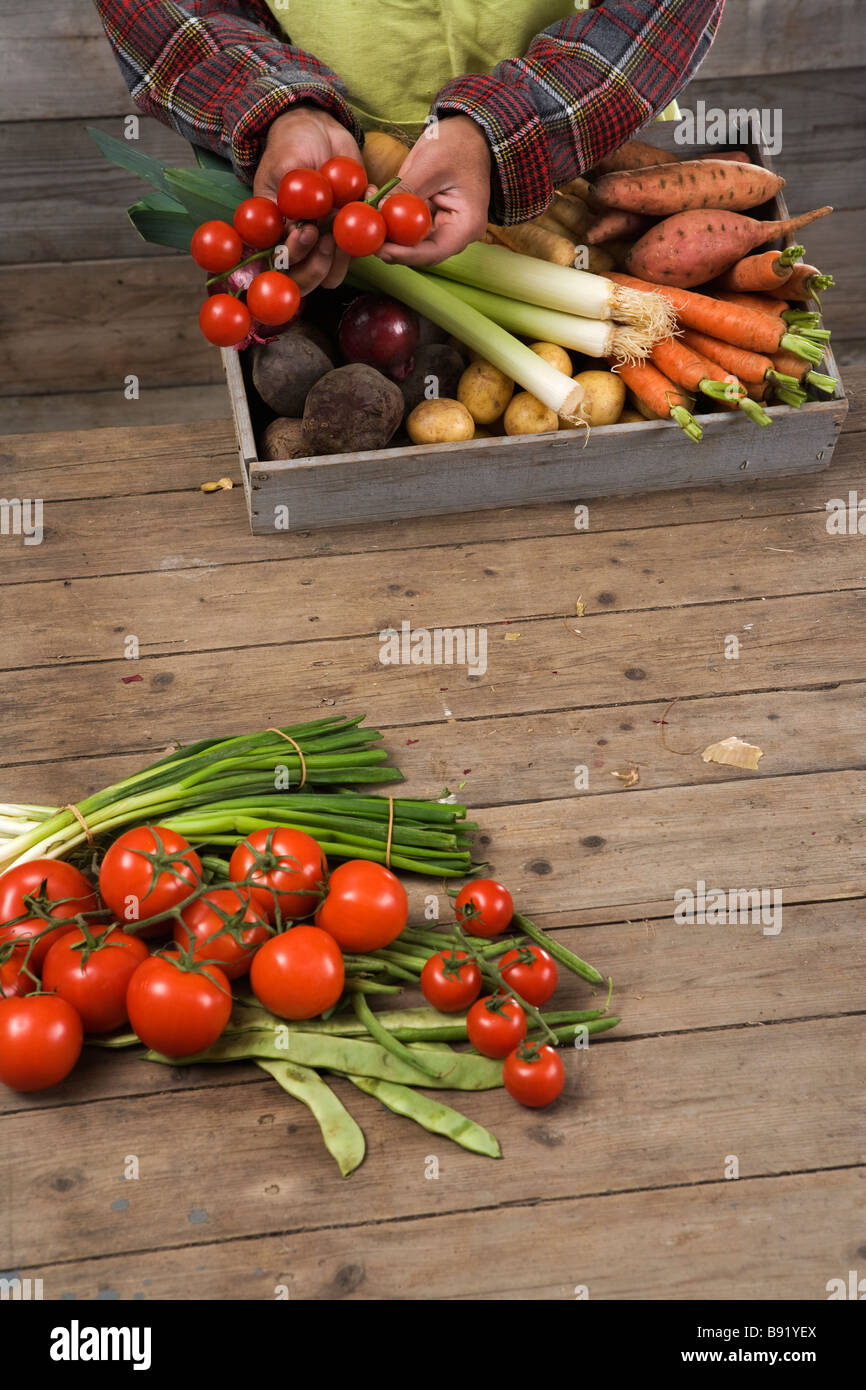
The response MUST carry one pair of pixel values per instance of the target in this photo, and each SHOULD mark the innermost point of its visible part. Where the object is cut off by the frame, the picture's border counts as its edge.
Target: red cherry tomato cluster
(360, 228)
(281, 917)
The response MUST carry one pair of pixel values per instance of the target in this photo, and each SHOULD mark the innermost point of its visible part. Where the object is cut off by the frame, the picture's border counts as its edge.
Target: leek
(558, 287)
(595, 337)
(437, 302)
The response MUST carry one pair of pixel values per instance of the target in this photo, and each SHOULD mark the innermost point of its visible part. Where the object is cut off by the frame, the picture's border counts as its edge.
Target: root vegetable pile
(220, 929)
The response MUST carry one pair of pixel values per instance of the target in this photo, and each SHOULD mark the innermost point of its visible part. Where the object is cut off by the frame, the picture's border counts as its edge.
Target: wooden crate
(437, 479)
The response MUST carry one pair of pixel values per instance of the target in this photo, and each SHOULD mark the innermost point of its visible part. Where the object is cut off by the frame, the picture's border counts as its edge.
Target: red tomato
(216, 246)
(304, 195)
(299, 973)
(66, 892)
(13, 981)
(40, 1041)
(94, 984)
(259, 223)
(533, 1074)
(531, 972)
(348, 179)
(450, 981)
(484, 907)
(359, 229)
(147, 871)
(366, 906)
(223, 926)
(176, 1011)
(495, 1025)
(281, 867)
(273, 298)
(224, 320)
(407, 218)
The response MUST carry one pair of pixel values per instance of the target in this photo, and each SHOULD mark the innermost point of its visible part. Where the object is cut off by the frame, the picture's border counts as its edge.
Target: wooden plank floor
(734, 1045)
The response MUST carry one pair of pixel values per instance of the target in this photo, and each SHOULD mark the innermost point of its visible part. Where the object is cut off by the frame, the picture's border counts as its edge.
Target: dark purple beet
(379, 332)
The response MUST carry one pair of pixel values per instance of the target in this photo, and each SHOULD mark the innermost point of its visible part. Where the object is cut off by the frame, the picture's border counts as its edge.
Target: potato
(630, 417)
(351, 409)
(603, 398)
(283, 439)
(555, 355)
(440, 421)
(436, 371)
(526, 414)
(485, 391)
(284, 371)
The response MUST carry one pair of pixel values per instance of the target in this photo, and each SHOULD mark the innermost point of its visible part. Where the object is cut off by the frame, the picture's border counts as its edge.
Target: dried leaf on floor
(735, 752)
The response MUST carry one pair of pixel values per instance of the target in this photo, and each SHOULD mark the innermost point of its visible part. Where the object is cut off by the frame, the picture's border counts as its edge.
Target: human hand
(304, 138)
(449, 166)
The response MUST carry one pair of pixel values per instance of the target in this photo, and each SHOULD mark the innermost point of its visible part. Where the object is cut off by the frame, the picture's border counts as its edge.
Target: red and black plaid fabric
(219, 72)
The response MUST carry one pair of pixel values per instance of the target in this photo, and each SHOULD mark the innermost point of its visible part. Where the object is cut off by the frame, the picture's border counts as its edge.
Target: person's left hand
(449, 166)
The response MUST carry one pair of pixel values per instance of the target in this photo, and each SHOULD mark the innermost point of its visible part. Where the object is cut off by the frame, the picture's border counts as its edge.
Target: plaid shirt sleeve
(586, 84)
(217, 71)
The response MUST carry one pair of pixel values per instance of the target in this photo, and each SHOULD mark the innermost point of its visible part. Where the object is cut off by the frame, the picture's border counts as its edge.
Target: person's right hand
(304, 138)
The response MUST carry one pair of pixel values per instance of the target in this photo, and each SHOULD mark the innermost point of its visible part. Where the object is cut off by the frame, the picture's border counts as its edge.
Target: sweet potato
(615, 225)
(661, 190)
(634, 154)
(693, 247)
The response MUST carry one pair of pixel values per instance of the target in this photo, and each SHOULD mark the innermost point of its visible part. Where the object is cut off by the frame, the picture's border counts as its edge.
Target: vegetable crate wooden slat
(429, 480)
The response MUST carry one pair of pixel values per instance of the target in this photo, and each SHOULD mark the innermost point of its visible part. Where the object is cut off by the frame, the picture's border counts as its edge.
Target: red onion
(380, 332)
(238, 281)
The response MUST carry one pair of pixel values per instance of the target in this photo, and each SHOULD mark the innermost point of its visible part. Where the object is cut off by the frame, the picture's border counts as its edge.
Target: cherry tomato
(175, 1011)
(223, 926)
(40, 1041)
(495, 1025)
(305, 195)
(531, 972)
(147, 871)
(450, 981)
(348, 179)
(273, 298)
(95, 985)
(13, 981)
(259, 223)
(533, 1074)
(65, 892)
(299, 973)
(359, 229)
(281, 867)
(216, 246)
(407, 218)
(224, 320)
(484, 907)
(366, 906)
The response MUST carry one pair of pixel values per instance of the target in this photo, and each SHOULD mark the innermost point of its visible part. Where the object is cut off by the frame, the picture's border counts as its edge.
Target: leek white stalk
(435, 300)
(557, 287)
(595, 337)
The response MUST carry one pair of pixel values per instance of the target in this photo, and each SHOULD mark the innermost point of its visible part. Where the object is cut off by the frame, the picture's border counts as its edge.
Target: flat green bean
(460, 1071)
(432, 1115)
(344, 1138)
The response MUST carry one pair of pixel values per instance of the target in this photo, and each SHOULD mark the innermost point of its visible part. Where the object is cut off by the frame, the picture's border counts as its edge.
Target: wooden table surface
(737, 1052)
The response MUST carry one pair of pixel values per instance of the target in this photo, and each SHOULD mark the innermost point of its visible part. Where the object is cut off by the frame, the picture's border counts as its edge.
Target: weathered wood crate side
(430, 480)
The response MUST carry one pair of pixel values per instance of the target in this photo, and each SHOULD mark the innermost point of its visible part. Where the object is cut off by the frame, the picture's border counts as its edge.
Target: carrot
(787, 364)
(778, 308)
(692, 247)
(748, 328)
(806, 282)
(614, 225)
(634, 154)
(752, 368)
(657, 396)
(695, 183)
(689, 368)
(767, 271)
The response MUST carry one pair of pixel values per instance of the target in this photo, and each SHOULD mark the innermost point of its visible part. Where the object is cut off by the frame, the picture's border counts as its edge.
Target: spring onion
(595, 337)
(560, 287)
(219, 790)
(426, 294)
